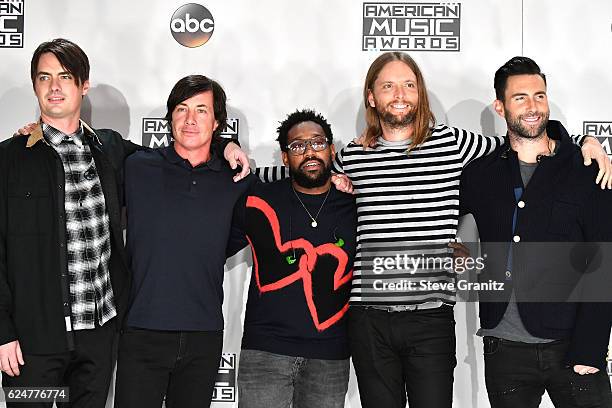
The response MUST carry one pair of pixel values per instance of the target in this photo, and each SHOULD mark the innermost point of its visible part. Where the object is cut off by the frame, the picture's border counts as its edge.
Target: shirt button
(194, 182)
(521, 204)
(508, 274)
(516, 238)
(65, 304)
(61, 244)
(28, 194)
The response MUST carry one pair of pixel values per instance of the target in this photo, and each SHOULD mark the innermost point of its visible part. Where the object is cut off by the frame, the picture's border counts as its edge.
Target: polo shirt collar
(173, 157)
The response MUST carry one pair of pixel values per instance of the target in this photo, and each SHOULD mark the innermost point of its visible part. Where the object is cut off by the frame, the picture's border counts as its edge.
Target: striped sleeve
(337, 163)
(272, 173)
(473, 146)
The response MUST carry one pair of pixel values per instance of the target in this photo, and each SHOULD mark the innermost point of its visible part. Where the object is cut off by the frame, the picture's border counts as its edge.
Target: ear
(85, 87)
(333, 151)
(216, 125)
(285, 159)
(371, 99)
(499, 108)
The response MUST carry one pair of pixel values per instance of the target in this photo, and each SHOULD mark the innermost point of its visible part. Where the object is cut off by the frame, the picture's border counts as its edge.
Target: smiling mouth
(531, 120)
(56, 99)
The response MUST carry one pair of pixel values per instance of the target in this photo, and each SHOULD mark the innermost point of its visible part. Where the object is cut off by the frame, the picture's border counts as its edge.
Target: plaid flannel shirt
(87, 231)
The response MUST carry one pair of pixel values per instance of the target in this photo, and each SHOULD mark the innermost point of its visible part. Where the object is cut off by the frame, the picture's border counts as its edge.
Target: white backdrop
(273, 57)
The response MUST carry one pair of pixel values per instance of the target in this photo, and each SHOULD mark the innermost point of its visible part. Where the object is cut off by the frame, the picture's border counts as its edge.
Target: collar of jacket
(37, 134)
(554, 130)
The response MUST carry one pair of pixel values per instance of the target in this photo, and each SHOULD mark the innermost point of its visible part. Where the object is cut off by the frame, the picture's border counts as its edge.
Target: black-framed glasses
(298, 147)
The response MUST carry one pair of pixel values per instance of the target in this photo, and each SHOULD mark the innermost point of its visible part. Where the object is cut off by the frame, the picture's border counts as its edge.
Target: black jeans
(86, 371)
(403, 354)
(180, 366)
(517, 374)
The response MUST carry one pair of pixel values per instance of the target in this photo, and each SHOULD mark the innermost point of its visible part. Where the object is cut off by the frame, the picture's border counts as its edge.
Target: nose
(530, 104)
(55, 84)
(190, 117)
(399, 92)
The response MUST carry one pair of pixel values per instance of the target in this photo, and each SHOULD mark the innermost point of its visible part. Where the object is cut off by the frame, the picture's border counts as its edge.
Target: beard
(308, 179)
(396, 121)
(516, 126)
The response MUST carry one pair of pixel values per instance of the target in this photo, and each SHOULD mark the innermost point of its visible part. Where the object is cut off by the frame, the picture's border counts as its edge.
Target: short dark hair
(70, 55)
(192, 85)
(300, 116)
(515, 66)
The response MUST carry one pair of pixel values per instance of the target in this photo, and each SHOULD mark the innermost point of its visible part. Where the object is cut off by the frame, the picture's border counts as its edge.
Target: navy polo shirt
(179, 222)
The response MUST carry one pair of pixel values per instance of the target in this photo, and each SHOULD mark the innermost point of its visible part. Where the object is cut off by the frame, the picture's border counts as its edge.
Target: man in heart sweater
(301, 232)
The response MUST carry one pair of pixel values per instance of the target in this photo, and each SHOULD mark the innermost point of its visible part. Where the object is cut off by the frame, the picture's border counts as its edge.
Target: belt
(406, 308)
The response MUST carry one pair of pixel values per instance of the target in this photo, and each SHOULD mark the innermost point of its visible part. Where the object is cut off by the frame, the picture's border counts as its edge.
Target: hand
(361, 138)
(459, 250)
(343, 183)
(582, 369)
(591, 149)
(27, 129)
(11, 358)
(234, 155)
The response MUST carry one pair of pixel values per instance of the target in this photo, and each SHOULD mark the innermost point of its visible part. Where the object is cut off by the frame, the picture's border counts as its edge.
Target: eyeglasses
(298, 147)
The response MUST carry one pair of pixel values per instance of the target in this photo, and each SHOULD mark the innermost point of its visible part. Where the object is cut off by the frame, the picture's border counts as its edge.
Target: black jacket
(33, 236)
(561, 206)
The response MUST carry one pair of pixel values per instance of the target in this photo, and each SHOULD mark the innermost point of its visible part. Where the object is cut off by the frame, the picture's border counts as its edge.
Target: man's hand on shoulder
(235, 156)
(342, 183)
(26, 129)
(11, 358)
(592, 150)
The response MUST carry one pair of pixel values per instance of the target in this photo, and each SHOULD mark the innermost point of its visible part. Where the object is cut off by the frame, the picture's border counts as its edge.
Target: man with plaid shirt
(63, 271)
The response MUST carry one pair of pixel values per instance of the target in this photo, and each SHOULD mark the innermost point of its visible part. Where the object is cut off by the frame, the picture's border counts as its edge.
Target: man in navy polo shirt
(179, 201)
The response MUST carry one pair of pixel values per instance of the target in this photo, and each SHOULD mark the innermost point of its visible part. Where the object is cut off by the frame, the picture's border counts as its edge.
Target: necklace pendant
(313, 224)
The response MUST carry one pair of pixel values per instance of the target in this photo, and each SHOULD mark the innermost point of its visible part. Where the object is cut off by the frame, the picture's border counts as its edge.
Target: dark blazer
(33, 237)
(561, 206)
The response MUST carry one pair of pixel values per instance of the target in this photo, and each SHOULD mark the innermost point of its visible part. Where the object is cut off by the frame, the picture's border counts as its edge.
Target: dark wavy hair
(192, 85)
(514, 66)
(71, 56)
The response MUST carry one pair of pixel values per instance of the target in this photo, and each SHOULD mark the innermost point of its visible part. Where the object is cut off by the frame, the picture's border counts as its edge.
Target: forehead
(528, 84)
(49, 62)
(202, 98)
(395, 71)
(305, 130)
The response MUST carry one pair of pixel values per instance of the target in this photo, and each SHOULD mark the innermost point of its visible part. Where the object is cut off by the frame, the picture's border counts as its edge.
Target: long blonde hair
(424, 118)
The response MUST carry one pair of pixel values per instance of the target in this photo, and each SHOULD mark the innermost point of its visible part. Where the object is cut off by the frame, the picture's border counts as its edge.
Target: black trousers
(403, 355)
(180, 366)
(517, 374)
(86, 371)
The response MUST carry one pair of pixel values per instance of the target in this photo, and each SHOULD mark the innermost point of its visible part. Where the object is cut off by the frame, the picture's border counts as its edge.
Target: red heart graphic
(340, 278)
(256, 202)
(306, 265)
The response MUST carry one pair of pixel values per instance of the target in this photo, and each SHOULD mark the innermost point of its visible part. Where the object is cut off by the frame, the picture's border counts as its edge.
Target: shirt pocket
(30, 209)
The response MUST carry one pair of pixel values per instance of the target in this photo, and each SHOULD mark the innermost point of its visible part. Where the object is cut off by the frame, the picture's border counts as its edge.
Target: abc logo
(192, 25)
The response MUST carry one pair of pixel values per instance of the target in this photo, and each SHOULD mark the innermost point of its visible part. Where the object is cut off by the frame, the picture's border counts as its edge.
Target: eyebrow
(526, 94)
(47, 73)
(202, 105)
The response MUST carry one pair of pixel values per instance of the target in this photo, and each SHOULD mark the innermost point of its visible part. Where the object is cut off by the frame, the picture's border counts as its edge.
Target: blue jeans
(268, 380)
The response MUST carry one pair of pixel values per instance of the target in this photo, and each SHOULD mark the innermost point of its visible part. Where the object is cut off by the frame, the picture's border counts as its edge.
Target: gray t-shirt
(511, 326)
